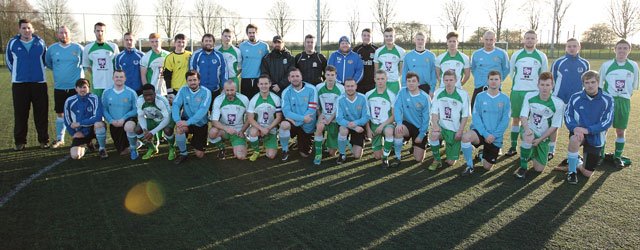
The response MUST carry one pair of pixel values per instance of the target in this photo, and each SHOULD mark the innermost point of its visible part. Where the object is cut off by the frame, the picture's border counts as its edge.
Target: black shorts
(249, 87)
(425, 87)
(477, 91)
(489, 151)
(119, 136)
(59, 97)
(199, 138)
(76, 142)
(356, 139)
(304, 140)
(365, 87)
(413, 134)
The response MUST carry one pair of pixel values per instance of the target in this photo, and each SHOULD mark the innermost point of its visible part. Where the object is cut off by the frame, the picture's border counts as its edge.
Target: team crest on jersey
(372, 55)
(453, 103)
(580, 69)
(102, 63)
(125, 100)
(547, 112)
(284, 61)
(315, 65)
(458, 64)
(359, 107)
(620, 85)
(136, 62)
(526, 72)
(89, 109)
(350, 61)
(231, 119)
(500, 104)
(418, 105)
(214, 61)
(73, 53)
(339, 60)
(198, 99)
(427, 60)
(629, 74)
(496, 59)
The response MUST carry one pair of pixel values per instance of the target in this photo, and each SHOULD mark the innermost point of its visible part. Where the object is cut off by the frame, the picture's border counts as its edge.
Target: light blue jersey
(252, 54)
(413, 109)
(483, 62)
(191, 106)
(296, 104)
(352, 111)
(66, 64)
(491, 115)
(119, 104)
(423, 64)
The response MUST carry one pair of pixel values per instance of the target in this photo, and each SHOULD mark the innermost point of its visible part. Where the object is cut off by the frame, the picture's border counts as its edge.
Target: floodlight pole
(318, 35)
(553, 27)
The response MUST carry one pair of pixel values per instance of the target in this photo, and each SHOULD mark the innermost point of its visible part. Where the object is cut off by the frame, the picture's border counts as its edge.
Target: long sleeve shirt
(191, 106)
(483, 62)
(567, 72)
(355, 110)
(119, 105)
(347, 65)
(26, 61)
(296, 104)
(491, 115)
(85, 110)
(129, 62)
(413, 109)
(593, 113)
(66, 64)
(212, 68)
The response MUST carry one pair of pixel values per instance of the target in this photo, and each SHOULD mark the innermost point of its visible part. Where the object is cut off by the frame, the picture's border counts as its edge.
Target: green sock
(219, 145)
(255, 145)
(514, 139)
(386, 149)
(619, 149)
(525, 154)
(171, 140)
(318, 146)
(436, 152)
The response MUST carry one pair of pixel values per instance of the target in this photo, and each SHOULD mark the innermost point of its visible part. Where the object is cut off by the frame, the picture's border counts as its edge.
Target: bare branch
(206, 14)
(325, 16)
(623, 17)
(497, 15)
(280, 18)
(383, 13)
(169, 16)
(126, 17)
(354, 23)
(560, 10)
(453, 13)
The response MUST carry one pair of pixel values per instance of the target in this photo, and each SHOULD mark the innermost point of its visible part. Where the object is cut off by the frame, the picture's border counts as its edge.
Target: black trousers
(25, 95)
(249, 87)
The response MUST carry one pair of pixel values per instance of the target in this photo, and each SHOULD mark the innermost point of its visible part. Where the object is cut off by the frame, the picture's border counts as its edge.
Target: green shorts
(517, 99)
(235, 140)
(539, 153)
(621, 111)
(376, 141)
(394, 87)
(331, 130)
(270, 141)
(452, 146)
(97, 92)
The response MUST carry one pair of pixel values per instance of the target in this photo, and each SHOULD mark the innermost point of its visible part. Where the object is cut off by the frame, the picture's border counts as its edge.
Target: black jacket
(312, 66)
(366, 53)
(277, 65)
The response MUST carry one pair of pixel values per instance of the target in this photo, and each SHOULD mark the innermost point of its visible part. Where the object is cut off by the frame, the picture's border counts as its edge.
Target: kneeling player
(82, 118)
(154, 115)
(352, 116)
(589, 114)
(541, 116)
(328, 93)
(264, 114)
(189, 111)
(489, 120)
(381, 101)
(119, 111)
(228, 121)
(411, 113)
(449, 114)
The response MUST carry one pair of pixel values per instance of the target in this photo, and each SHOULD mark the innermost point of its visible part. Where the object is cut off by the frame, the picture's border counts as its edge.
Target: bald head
(489, 40)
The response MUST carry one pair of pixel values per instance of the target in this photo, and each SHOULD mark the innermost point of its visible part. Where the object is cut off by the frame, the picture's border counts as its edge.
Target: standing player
(619, 77)
(485, 60)
(541, 116)
(228, 121)
(366, 50)
(252, 51)
(422, 62)
(588, 117)
(328, 93)
(348, 64)
(389, 58)
(99, 59)
(64, 58)
(176, 65)
(567, 71)
(154, 115)
(264, 114)
(489, 120)
(189, 111)
(82, 118)
(232, 57)
(299, 104)
(277, 64)
(352, 116)
(119, 111)
(526, 65)
(152, 63)
(453, 60)
(25, 54)
(380, 102)
(210, 64)
(129, 61)
(449, 115)
(411, 113)
(310, 62)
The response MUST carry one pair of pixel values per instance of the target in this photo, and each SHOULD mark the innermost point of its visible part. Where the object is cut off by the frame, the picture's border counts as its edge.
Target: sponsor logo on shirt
(526, 72)
(620, 85)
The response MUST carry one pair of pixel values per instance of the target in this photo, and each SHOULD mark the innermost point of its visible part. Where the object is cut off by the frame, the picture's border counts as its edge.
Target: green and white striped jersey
(450, 108)
(232, 58)
(380, 105)
(526, 68)
(541, 114)
(389, 61)
(101, 59)
(328, 98)
(619, 80)
(264, 110)
(230, 113)
(457, 63)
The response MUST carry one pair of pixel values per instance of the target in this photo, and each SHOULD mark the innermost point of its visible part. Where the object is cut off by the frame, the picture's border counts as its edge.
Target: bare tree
(280, 17)
(206, 15)
(55, 13)
(623, 17)
(532, 8)
(559, 10)
(497, 15)
(354, 23)
(126, 17)
(169, 17)
(325, 15)
(453, 13)
(383, 13)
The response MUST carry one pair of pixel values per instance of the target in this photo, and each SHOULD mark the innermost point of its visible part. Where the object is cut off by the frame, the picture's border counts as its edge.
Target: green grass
(268, 204)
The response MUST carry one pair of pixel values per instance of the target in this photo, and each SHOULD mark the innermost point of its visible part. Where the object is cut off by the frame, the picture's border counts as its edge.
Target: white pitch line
(5, 198)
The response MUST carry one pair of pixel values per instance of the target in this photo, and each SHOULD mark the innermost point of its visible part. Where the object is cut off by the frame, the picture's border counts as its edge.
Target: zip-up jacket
(593, 113)
(567, 72)
(347, 66)
(277, 65)
(212, 68)
(26, 65)
(85, 110)
(129, 62)
(312, 66)
(366, 53)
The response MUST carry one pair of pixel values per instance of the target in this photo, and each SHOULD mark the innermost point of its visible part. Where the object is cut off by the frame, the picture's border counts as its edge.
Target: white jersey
(101, 59)
(450, 108)
(389, 60)
(526, 67)
(619, 79)
(542, 115)
(457, 63)
(328, 98)
(230, 113)
(380, 105)
(264, 110)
